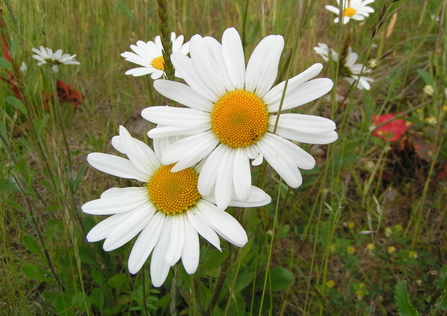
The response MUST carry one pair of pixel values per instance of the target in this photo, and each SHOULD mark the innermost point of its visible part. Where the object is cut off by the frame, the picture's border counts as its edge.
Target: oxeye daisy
(167, 211)
(348, 68)
(232, 114)
(46, 56)
(150, 56)
(351, 9)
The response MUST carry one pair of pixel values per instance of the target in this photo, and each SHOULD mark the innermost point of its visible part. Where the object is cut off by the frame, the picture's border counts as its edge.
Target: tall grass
(370, 215)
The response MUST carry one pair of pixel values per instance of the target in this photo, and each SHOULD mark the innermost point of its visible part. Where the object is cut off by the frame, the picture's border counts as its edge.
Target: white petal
(152, 160)
(138, 72)
(159, 268)
(172, 116)
(146, 241)
(191, 249)
(299, 156)
(113, 192)
(205, 66)
(208, 174)
(190, 150)
(177, 239)
(280, 161)
(224, 224)
(182, 94)
(173, 131)
(105, 227)
(257, 197)
(224, 181)
(186, 69)
(215, 49)
(202, 226)
(275, 94)
(241, 174)
(116, 204)
(303, 123)
(115, 166)
(262, 67)
(233, 55)
(307, 92)
(130, 226)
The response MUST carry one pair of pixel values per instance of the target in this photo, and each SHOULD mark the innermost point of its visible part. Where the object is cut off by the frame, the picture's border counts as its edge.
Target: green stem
(165, 31)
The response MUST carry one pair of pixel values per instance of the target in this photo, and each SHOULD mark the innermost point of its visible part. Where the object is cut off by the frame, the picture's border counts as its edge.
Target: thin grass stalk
(165, 31)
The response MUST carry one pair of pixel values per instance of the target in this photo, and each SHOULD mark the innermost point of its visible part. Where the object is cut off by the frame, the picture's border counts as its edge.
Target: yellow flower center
(350, 12)
(158, 63)
(239, 118)
(173, 192)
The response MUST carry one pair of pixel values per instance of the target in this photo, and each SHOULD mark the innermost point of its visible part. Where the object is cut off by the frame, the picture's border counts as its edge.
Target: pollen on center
(173, 192)
(158, 63)
(239, 118)
(349, 12)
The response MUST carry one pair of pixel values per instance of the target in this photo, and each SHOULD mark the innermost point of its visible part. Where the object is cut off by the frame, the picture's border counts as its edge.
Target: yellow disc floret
(158, 63)
(173, 192)
(349, 12)
(239, 118)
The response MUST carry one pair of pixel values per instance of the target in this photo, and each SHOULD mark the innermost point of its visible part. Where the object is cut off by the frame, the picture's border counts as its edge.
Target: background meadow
(364, 235)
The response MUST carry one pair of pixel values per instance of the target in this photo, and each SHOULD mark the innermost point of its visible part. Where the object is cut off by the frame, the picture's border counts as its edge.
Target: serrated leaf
(16, 103)
(32, 245)
(280, 278)
(403, 303)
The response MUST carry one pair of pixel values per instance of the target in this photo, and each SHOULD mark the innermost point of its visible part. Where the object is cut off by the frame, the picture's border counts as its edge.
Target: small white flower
(349, 69)
(351, 9)
(23, 67)
(428, 90)
(231, 113)
(167, 211)
(323, 51)
(46, 56)
(150, 56)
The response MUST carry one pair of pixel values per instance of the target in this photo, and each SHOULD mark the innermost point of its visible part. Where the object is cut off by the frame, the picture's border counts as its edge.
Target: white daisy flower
(232, 115)
(150, 56)
(349, 69)
(167, 212)
(46, 56)
(356, 71)
(351, 9)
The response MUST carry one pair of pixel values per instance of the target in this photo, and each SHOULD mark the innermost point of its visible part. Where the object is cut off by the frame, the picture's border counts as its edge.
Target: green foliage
(402, 301)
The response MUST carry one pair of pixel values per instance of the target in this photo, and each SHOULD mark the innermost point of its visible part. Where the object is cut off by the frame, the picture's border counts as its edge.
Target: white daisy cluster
(202, 152)
(46, 56)
(347, 68)
(351, 9)
(150, 56)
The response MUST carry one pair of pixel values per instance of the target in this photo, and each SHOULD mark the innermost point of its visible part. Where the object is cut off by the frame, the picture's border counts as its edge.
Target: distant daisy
(46, 56)
(349, 69)
(351, 9)
(232, 112)
(167, 211)
(150, 56)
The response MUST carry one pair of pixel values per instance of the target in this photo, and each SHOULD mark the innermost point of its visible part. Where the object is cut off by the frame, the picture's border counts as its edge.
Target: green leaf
(81, 301)
(125, 9)
(443, 302)
(33, 272)
(49, 296)
(98, 278)
(7, 185)
(87, 256)
(5, 64)
(403, 303)
(443, 276)
(16, 103)
(63, 305)
(32, 245)
(213, 261)
(118, 282)
(97, 298)
(425, 76)
(280, 278)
